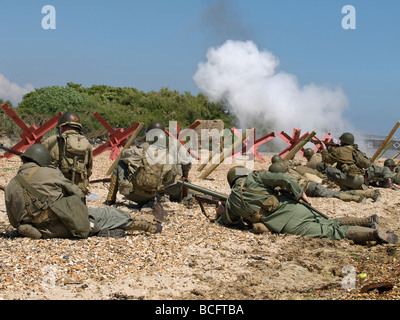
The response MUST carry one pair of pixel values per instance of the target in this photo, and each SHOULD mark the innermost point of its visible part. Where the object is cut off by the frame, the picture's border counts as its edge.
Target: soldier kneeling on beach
(41, 203)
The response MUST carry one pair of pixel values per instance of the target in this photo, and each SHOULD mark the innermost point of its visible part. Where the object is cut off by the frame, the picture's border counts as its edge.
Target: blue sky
(159, 43)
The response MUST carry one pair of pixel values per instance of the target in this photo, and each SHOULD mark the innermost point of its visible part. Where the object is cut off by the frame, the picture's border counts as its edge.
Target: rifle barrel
(212, 193)
(17, 153)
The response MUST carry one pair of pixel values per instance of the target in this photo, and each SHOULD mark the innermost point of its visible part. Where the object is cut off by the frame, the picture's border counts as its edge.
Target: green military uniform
(49, 204)
(252, 198)
(346, 174)
(288, 217)
(378, 173)
(396, 175)
(71, 152)
(313, 188)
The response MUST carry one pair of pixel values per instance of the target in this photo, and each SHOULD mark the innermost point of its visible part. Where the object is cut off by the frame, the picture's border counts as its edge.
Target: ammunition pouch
(125, 187)
(268, 206)
(352, 170)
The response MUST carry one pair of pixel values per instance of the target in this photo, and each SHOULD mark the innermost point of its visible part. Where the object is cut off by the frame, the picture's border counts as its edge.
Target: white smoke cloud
(246, 79)
(11, 91)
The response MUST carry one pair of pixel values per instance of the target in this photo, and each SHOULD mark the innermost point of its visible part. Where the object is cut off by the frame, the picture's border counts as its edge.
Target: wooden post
(300, 145)
(386, 148)
(396, 155)
(227, 153)
(211, 155)
(385, 141)
(127, 145)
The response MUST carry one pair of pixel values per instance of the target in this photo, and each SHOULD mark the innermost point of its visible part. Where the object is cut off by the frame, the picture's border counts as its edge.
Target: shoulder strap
(241, 188)
(30, 189)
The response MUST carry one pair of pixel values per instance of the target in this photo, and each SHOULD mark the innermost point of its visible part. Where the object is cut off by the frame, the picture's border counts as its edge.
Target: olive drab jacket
(344, 159)
(314, 160)
(24, 209)
(252, 198)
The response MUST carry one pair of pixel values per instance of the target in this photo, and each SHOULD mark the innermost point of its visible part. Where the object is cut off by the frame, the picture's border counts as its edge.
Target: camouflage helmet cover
(39, 154)
(71, 119)
(237, 172)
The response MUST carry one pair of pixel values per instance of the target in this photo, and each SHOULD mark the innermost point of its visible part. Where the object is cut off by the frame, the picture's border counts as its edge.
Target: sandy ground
(195, 259)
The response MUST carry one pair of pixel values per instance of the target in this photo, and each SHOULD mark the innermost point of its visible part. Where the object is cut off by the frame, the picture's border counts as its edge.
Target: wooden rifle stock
(201, 200)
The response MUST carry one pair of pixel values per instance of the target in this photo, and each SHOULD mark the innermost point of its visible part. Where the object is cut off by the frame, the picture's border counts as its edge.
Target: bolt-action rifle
(215, 199)
(100, 180)
(17, 153)
(304, 203)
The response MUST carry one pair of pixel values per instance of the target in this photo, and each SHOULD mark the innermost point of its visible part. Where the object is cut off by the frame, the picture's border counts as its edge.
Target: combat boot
(27, 230)
(362, 235)
(259, 228)
(369, 194)
(145, 222)
(349, 197)
(112, 191)
(370, 222)
(111, 233)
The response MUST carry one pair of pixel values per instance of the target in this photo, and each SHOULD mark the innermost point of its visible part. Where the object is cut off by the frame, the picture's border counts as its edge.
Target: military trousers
(301, 221)
(108, 218)
(343, 180)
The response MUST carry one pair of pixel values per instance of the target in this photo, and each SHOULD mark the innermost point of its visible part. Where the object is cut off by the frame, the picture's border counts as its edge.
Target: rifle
(201, 199)
(301, 201)
(100, 180)
(17, 153)
(188, 185)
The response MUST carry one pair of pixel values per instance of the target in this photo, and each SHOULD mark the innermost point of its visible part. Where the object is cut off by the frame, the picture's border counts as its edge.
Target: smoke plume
(247, 81)
(11, 91)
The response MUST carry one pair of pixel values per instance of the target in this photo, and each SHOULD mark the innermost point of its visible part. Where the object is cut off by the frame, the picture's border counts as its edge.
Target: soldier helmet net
(39, 154)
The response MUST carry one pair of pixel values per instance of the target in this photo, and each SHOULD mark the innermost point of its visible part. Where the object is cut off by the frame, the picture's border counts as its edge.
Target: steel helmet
(389, 163)
(276, 168)
(155, 125)
(347, 138)
(237, 172)
(308, 153)
(276, 158)
(39, 154)
(71, 119)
